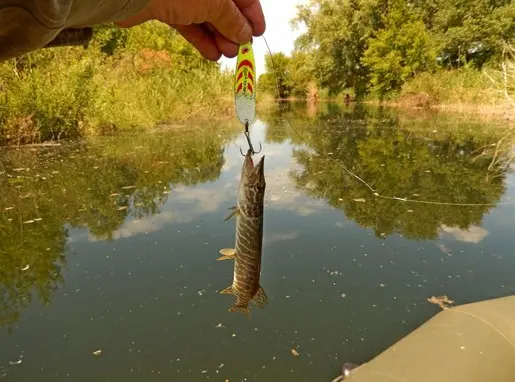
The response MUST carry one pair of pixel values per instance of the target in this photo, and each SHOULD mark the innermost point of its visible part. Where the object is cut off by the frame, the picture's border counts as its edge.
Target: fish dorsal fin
(242, 309)
(227, 290)
(260, 298)
(227, 254)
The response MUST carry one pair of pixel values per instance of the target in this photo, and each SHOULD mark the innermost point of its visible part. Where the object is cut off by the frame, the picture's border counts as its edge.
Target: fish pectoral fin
(260, 298)
(227, 290)
(242, 309)
(227, 254)
(235, 211)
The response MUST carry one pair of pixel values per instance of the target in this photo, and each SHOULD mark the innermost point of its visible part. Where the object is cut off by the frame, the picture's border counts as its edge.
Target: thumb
(226, 17)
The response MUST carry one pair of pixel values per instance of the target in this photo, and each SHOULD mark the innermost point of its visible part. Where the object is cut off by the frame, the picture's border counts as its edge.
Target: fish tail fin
(260, 298)
(227, 254)
(240, 308)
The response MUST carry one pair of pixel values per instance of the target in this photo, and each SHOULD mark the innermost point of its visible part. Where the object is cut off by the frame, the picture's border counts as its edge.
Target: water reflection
(140, 221)
(396, 161)
(99, 186)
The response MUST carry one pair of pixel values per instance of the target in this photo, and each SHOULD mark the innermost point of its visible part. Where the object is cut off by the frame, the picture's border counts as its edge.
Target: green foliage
(126, 78)
(463, 86)
(399, 51)
(95, 186)
(302, 73)
(337, 36)
(287, 76)
(469, 30)
(378, 45)
(277, 79)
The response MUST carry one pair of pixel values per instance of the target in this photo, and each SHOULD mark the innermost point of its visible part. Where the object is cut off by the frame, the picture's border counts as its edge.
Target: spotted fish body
(249, 238)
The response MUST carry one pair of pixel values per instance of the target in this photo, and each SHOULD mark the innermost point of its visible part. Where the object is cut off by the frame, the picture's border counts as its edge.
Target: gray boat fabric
(467, 343)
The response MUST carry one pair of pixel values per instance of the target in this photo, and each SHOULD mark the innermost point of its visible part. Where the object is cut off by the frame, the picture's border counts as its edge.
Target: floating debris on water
(360, 200)
(97, 352)
(128, 187)
(26, 267)
(442, 301)
(28, 222)
(295, 352)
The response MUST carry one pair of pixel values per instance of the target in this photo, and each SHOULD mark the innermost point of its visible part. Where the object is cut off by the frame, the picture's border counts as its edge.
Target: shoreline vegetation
(443, 56)
(489, 93)
(125, 79)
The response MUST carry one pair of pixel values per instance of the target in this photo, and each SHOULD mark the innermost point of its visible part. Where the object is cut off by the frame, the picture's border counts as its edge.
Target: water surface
(111, 245)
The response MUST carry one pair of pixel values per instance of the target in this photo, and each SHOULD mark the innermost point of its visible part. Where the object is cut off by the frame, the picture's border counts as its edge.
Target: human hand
(214, 27)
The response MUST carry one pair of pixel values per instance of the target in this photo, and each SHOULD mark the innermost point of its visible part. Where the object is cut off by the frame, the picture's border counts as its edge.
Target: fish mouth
(256, 172)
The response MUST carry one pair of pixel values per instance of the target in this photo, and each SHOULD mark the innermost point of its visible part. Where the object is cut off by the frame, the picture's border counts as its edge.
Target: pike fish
(249, 238)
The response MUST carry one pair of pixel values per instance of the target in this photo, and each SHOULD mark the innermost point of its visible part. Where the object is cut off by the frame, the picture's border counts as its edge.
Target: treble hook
(247, 136)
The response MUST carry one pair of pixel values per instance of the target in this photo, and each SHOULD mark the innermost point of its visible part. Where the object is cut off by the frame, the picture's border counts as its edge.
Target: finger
(201, 40)
(253, 11)
(227, 47)
(229, 21)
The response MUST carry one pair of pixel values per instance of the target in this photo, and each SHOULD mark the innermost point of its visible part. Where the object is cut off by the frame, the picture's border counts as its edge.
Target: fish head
(253, 177)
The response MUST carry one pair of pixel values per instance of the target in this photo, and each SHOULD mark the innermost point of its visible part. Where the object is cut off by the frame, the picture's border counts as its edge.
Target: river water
(110, 245)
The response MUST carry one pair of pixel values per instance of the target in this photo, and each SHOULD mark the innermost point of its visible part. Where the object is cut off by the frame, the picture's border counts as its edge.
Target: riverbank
(125, 79)
(488, 93)
(499, 112)
(466, 91)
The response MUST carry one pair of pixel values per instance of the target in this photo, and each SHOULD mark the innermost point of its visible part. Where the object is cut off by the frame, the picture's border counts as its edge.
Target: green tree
(398, 51)
(379, 44)
(468, 30)
(337, 35)
(277, 79)
(301, 73)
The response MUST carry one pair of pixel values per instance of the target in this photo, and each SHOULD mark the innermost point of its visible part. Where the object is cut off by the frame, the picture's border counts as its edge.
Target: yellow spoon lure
(245, 88)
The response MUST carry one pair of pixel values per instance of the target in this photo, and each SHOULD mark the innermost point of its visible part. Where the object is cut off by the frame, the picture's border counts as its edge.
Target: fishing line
(366, 184)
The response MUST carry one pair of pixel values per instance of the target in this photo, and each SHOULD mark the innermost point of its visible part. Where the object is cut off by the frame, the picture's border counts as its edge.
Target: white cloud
(280, 236)
(472, 235)
(188, 204)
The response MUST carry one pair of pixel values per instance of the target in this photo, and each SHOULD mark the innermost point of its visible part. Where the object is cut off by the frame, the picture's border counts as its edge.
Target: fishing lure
(245, 89)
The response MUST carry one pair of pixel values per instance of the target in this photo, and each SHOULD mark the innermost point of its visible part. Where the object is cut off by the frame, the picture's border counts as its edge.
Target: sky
(279, 33)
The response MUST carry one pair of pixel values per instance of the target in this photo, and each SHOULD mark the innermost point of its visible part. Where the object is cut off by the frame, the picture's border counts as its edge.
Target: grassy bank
(489, 92)
(124, 79)
(464, 90)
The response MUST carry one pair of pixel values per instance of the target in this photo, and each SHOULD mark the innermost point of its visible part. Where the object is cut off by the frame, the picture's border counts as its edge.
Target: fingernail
(245, 34)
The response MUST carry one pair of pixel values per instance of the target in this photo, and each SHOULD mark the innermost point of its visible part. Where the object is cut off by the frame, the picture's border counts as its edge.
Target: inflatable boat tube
(467, 343)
